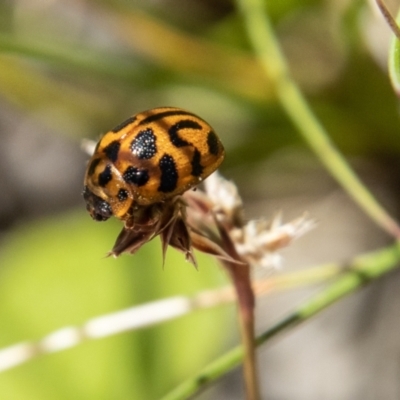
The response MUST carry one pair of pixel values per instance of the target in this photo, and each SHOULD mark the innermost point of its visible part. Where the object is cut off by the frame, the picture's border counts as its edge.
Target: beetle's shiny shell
(149, 158)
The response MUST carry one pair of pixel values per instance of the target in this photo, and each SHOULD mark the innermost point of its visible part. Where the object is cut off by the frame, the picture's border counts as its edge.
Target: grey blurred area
(41, 172)
(351, 350)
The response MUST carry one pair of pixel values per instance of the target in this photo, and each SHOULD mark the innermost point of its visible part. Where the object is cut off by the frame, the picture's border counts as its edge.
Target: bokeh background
(71, 70)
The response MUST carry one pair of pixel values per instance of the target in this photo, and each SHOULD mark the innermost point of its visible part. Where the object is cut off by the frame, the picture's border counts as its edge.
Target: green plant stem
(360, 271)
(270, 56)
(69, 57)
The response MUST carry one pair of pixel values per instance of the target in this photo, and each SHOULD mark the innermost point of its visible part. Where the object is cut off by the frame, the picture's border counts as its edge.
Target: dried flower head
(211, 221)
(255, 242)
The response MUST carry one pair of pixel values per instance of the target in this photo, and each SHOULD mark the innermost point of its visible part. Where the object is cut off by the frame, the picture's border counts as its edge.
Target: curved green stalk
(267, 49)
(69, 57)
(360, 271)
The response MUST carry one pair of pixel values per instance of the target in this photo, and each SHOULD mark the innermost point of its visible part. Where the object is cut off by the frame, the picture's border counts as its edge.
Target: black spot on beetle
(176, 140)
(136, 176)
(105, 176)
(93, 166)
(111, 151)
(169, 174)
(197, 168)
(122, 195)
(144, 144)
(163, 114)
(124, 124)
(213, 143)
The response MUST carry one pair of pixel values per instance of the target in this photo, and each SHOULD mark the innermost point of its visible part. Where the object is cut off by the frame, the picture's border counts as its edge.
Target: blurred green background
(71, 70)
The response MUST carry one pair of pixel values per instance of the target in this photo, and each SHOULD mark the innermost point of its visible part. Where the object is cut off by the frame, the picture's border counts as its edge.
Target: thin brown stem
(388, 17)
(240, 276)
(246, 302)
